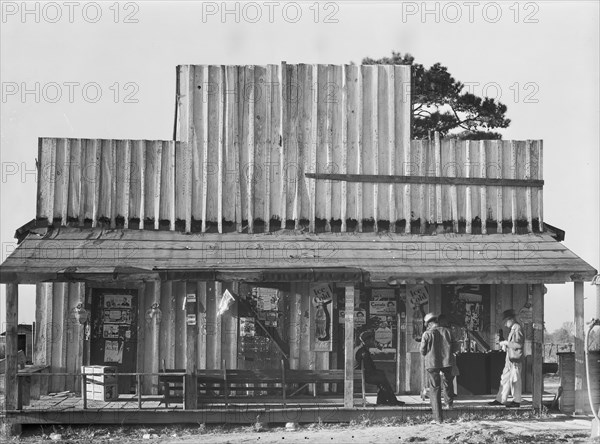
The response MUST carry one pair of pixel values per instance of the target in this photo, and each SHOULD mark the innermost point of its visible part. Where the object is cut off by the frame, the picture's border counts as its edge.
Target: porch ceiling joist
(73, 254)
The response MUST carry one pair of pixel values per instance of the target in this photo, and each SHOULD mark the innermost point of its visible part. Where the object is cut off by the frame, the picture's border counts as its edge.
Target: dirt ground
(549, 429)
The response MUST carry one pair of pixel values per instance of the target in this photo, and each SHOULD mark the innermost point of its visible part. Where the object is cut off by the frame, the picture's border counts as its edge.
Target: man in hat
(510, 381)
(454, 348)
(363, 360)
(436, 347)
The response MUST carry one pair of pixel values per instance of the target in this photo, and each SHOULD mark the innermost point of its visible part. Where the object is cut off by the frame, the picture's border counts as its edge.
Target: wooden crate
(101, 382)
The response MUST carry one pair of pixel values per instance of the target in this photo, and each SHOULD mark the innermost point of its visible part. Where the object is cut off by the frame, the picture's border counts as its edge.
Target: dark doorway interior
(113, 336)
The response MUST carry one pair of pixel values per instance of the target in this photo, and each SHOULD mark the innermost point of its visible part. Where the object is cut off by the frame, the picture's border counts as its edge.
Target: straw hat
(430, 317)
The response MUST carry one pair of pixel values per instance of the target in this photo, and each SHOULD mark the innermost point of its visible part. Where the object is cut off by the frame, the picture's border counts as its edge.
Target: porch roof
(75, 254)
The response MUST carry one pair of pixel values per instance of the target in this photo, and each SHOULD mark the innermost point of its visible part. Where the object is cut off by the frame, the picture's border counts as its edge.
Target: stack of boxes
(101, 382)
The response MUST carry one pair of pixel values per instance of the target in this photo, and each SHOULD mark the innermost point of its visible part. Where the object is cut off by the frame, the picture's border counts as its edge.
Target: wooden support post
(138, 390)
(283, 382)
(191, 349)
(221, 116)
(398, 341)
(11, 392)
(156, 332)
(204, 141)
(597, 284)
(401, 359)
(580, 394)
(349, 348)
(84, 389)
(225, 383)
(538, 341)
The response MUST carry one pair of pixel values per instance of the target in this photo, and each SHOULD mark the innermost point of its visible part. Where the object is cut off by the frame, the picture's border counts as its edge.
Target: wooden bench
(216, 383)
(305, 377)
(233, 383)
(248, 382)
(171, 385)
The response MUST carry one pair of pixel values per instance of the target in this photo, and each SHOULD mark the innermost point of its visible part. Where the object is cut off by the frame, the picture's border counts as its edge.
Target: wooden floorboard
(151, 403)
(248, 415)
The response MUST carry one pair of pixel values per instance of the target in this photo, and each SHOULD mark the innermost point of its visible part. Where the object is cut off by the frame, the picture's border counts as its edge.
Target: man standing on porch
(436, 347)
(510, 381)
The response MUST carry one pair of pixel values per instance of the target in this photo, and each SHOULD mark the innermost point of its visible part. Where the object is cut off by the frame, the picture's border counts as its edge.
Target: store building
(291, 208)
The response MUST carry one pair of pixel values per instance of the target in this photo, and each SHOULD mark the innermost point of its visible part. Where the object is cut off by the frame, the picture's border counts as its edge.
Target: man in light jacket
(436, 347)
(510, 381)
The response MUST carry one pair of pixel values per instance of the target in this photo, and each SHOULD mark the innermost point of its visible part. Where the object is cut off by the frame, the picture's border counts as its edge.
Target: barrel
(566, 371)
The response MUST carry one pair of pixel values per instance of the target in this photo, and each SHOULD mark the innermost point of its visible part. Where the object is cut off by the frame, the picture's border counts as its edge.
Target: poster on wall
(473, 316)
(385, 337)
(382, 308)
(267, 305)
(383, 334)
(382, 319)
(247, 327)
(267, 299)
(321, 297)
(418, 298)
(473, 310)
(117, 316)
(526, 312)
(117, 301)
(383, 294)
(112, 352)
(360, 317)
(110, 331)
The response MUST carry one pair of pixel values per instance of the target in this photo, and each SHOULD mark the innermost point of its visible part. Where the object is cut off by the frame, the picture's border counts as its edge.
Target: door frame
(140, 287)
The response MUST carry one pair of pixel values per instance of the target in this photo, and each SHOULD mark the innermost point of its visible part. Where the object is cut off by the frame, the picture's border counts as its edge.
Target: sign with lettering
(383, 294)
(382, 307)
(320, 317)
(417, 295)
(321, 294)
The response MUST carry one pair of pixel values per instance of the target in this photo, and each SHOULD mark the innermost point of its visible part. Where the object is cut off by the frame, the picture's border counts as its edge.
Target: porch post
(580, 395)
(596, 283)
(191, 347)
(537, 346)
(349, 348)
(156, 331)
(11, 391)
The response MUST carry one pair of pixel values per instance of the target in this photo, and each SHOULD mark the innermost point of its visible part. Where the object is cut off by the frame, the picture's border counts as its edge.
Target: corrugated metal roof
(71, 254)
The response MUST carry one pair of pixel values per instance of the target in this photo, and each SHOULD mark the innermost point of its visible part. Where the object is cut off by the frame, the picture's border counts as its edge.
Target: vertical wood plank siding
(248, 134)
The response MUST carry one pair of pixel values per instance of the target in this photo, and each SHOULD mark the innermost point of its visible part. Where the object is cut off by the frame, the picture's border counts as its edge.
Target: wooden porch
(68, 408)
(193, 409)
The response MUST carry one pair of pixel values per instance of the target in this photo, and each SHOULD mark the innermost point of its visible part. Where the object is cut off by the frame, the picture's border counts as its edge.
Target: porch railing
(300, 377)
(25, 386)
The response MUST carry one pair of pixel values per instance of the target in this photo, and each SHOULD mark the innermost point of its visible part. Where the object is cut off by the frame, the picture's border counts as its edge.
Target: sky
(107, 70)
